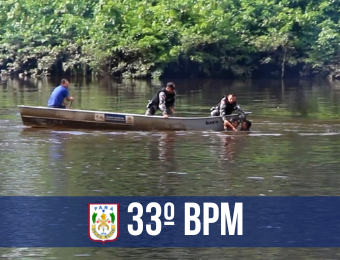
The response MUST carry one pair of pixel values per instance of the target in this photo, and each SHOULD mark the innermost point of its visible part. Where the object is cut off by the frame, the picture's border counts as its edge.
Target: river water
(292, 150)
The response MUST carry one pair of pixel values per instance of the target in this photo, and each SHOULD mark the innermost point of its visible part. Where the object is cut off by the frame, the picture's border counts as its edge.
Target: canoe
(37, 116)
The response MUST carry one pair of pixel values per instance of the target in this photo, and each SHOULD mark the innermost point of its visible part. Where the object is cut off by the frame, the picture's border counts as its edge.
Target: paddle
(70, 104)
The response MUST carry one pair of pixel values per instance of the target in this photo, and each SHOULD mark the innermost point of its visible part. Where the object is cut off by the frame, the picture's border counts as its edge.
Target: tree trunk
(283, 89)
(283, 62)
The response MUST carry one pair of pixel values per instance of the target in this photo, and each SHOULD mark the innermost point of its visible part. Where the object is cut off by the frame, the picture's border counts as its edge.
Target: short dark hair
(171, 85)
(63, 81)
(248, 123)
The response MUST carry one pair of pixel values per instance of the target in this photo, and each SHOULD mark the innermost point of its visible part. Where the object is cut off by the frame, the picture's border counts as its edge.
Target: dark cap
(171, 85)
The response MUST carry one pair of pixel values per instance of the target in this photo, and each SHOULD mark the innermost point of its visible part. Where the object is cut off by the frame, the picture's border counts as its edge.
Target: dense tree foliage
(142, 38)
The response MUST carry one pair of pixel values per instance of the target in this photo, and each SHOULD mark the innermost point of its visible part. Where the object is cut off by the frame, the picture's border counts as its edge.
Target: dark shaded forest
(162, 38)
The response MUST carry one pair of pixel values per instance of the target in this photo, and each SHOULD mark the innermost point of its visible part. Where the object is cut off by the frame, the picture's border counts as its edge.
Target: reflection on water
(160, 164)
(265, 98)
(292, 150)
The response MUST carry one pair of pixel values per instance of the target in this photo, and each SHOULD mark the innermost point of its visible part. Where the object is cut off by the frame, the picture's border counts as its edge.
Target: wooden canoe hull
(34, 116)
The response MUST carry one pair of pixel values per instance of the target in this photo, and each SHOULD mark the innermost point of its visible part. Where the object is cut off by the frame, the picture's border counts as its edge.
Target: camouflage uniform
(225, 108)
(162, 101)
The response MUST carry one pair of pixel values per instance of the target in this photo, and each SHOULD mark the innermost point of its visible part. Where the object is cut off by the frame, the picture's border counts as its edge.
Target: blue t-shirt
(57, 97)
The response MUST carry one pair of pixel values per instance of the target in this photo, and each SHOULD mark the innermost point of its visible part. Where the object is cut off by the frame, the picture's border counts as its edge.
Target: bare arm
(227, 123)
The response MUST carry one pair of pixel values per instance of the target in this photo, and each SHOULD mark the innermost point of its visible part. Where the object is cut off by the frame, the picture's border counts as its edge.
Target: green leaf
(112, 217)
(94, 216)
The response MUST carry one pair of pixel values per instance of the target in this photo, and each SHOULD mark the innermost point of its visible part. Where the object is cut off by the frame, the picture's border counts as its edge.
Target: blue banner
(170, 221)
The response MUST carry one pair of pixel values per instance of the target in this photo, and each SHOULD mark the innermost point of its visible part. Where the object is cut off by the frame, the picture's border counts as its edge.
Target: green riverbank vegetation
(178, 38)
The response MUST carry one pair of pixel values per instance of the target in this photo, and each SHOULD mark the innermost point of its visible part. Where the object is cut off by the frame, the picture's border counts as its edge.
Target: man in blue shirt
(59, 94)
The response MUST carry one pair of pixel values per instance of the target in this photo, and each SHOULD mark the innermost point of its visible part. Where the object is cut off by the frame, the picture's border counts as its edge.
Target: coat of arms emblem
(103, 222)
